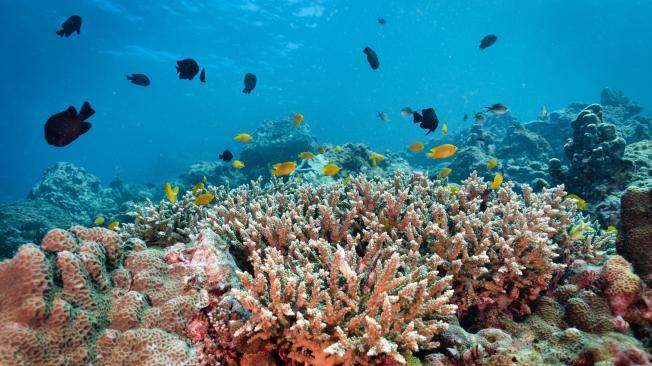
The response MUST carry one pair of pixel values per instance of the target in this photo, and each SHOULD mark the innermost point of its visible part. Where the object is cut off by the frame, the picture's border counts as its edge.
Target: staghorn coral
(286, 234)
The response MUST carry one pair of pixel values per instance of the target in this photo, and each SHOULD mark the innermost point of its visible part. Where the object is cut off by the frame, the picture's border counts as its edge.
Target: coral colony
(382, 271)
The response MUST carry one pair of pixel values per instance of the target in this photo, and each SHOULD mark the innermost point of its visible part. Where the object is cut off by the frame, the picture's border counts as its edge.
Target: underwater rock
(216, 173)
(635, 241)
(616, 98)
(27, 221)
(274, 142)
(596, 154)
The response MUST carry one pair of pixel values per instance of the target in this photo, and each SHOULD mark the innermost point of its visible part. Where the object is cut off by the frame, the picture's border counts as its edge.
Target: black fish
(64, 128)
(202, 76)
(70, 26)
(249, 82)
(371, 57)
(226, 156)
(480, 139)
(428, 119)
(487, 41)
(187, 69)
(382, 21)
(139, 79)
(497, 108)
(485, 199)
(466, 117)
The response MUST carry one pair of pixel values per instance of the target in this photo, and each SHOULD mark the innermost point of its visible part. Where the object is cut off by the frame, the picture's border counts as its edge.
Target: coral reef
(67, 195)
(635, 241)
(216, 173)
(596, 155)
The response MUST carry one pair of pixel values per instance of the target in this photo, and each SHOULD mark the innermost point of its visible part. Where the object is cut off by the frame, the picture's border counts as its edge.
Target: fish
(243, 137)
(480, 139)
(65, 127)
(612, 229)
(202, 75)
(375, 158)
(442, 151)
(485, 199)
(543, 113)
(372, 58)
(479, 117)
(498, 180)
(238, 164)
(249, 83)
(577, 232)
(383, 117)
(444, 172)
(416, 146)
(466, 117)
(488, 41)
(283, 169)
(331, 169)
(99, 220)
(454, 189)
(306, 155)
(387, 225)
(428, 119)
(71, 25)
(226, 156)
(204, 180)
(297, 119)
(321, 149)
(138, 79)
(337, 148)
(198, 187)
(346, 180)
(581, 203)
(444, 129)
(498, 108)
(406, 111)
(382, 21)
(113, 225)
(492, 163)
(171, 193)
(203, 199)
(187, 69)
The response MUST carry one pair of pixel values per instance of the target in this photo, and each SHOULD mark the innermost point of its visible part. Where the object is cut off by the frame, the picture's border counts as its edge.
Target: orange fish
(321, 149)
(284, 168)
(417, 146)
(297, 119)
(203, 199)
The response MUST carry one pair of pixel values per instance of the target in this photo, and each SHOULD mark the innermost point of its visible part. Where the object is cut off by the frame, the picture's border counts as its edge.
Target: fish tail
(246, 91)
(86, 111)
(60, 32)
(130, 77)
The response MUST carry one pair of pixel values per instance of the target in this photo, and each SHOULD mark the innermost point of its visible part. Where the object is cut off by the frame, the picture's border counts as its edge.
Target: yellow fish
(198, 187)
(444, 172)
(171, 193)
(387, 225)
(577, 231)
(581, 203)
(454, 189)
(337, 148)
(113, 225)
(375, 158)
(321, 149)
(346, 180)
(417, 146)
(284, 168)
(444, 129)
(306, 155)
(297, 119)
(243, 137)
(238, 164)
(498, 180)
(99, 220)
(203, 199)
(492, 163)
(204, 179)
(330, 169)
(442, 151)
(612, 229)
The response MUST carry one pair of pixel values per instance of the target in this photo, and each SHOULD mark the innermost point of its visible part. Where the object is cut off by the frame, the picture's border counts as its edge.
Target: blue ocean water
(307, 55)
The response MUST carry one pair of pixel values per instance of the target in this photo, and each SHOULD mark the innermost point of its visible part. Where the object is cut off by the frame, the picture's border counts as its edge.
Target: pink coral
(622, 285)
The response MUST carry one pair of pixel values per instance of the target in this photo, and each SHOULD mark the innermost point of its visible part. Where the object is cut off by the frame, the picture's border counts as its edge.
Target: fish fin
(60, 33)
(417, 117)
(85, 126)
(86, 111)
(78, 30)
(429, 131)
